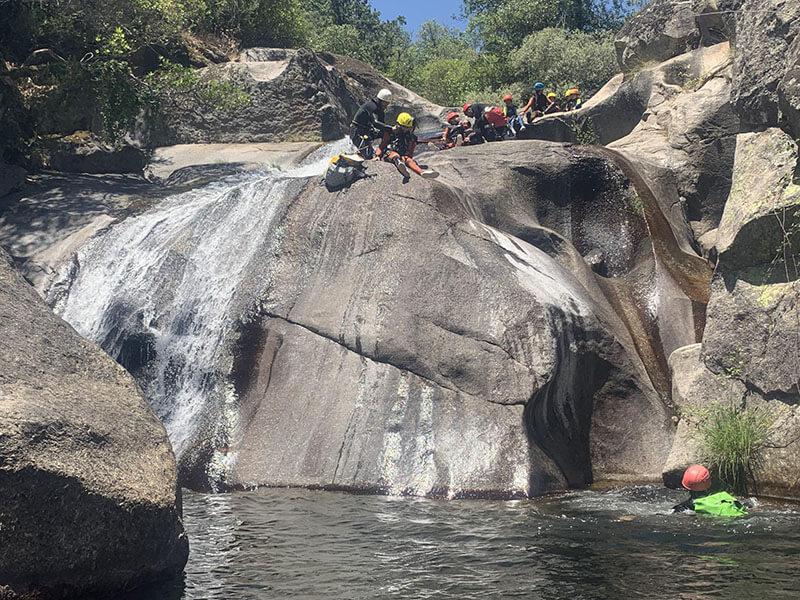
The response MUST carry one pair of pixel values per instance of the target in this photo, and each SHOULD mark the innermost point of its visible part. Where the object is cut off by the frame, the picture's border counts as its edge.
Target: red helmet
(696, 479)
(453, 116)
(508, 98)
(466, 108)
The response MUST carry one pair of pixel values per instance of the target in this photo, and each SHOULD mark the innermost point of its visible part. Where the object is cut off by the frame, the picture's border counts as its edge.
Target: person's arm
(685, 506)
(384, 143)
(527, 107)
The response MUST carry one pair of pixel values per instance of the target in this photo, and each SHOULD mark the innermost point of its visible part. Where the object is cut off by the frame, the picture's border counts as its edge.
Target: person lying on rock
(487, 122)
(702, 500)
(458, 132)
(515, 121)
(398, 145)
(572, 100)
(369, 123)
(538, 103)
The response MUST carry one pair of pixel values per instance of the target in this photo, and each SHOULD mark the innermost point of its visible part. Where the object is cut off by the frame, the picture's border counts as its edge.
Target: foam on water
(175, 276)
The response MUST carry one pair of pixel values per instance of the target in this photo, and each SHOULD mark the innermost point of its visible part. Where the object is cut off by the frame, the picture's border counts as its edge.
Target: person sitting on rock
(538, 103)
(489, 124)
(572, 100)
(369, 123)
(398, 145)
(457, 132)
(553, 106)
(516, 123)
(702, 501)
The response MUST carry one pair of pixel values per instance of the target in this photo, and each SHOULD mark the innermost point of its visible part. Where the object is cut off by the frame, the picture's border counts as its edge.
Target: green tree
(502, 25)
(563, 59)
(278, 23)
(354, 28)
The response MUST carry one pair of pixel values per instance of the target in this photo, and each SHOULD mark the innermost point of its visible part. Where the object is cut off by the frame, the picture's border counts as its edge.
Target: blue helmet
(539, 86)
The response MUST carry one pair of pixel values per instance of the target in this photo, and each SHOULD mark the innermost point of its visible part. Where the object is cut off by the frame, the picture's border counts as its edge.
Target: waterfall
(162, 291)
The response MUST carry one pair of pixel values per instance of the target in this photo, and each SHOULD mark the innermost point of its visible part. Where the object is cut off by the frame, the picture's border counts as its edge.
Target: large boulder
(458, 337)
(88, 494)
(664, 29)
(429, 309)
(295, 96)
(752, 330)
(765, 63)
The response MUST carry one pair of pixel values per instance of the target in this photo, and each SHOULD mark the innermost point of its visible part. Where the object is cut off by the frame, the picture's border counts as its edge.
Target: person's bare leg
(426, 173)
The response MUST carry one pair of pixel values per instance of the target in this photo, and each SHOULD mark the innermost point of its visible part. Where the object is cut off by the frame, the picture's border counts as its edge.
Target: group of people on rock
(492, 123)
(482, 123)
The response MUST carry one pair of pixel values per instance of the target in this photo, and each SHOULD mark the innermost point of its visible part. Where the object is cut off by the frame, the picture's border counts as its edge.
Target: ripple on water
(578, 546)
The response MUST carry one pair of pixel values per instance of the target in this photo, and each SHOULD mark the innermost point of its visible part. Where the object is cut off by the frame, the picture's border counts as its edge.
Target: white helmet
(384, 95)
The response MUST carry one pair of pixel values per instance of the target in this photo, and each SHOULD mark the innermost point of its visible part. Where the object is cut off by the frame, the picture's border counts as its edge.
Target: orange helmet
(453, 116)
(696, 479)
(508, 98)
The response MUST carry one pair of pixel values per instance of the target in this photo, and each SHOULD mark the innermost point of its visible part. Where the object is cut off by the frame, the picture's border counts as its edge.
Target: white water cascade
(175, 279)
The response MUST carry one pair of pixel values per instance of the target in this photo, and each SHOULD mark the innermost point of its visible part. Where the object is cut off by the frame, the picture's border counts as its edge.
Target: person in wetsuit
(398, 147)
(697, 479)
(369, 123)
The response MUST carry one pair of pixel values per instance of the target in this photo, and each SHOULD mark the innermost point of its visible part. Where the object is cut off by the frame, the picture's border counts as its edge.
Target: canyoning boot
(429, 174)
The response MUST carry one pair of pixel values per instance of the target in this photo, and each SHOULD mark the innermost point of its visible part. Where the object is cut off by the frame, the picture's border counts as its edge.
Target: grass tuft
(733, 438)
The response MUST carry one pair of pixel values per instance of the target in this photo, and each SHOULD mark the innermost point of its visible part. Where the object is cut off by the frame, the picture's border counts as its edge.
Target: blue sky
(417, 12)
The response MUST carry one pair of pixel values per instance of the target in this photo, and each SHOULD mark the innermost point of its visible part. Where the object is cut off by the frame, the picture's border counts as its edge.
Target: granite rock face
(449, 338)
(765, 62)
(664, 29)
(295, 96)
(752, 329)
(88, 495)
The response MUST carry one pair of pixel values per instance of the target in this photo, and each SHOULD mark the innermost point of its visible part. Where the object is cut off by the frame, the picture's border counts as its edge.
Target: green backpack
(721, 504)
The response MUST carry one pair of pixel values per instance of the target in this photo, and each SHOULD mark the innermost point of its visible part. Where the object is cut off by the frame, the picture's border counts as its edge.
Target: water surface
(594, 545)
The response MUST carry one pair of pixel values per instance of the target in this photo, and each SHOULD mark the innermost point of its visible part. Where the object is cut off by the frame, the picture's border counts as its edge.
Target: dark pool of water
(609, 545)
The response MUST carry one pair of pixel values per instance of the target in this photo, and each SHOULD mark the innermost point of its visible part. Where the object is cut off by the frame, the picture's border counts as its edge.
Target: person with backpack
(538, 103)
(516, 123)
(398, 145)
(489, 121)
(369, 123)
(697, 480)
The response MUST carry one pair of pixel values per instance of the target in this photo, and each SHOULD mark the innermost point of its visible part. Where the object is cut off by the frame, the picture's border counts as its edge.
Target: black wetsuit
(369, 122)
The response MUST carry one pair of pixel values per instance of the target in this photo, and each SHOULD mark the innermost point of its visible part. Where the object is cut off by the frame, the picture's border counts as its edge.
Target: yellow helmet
(552, 95)
(405, 120)
(572, 92)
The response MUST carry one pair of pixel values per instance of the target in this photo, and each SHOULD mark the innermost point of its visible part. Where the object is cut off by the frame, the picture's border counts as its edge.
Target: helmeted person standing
(697, 479)
(369, 123)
